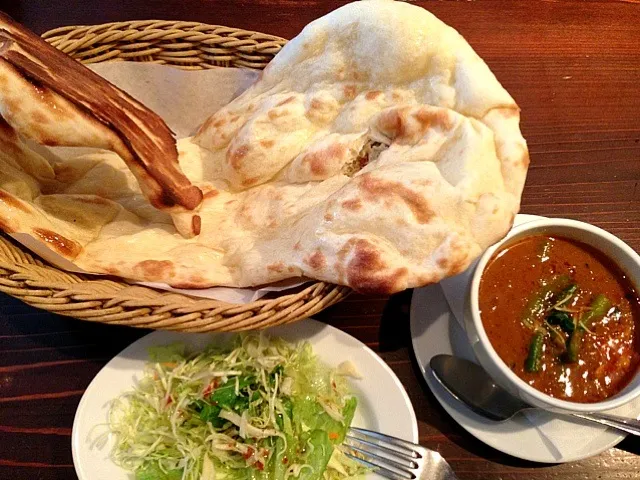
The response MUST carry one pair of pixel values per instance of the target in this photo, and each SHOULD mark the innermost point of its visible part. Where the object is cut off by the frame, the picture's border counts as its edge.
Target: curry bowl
(567, 340)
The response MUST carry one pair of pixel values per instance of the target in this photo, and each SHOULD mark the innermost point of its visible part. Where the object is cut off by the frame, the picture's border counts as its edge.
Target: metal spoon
(469, 383)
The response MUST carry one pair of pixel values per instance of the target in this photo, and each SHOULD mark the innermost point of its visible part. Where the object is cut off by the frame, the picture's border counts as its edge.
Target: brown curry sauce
(609, 352)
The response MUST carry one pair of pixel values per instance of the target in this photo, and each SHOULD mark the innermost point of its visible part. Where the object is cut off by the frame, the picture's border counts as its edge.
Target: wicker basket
(188, 45)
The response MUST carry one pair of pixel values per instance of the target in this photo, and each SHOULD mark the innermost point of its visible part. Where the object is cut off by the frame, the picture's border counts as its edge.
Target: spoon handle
(628, 425)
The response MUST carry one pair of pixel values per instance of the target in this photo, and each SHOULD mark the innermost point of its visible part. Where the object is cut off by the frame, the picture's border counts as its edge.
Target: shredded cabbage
(262, 409)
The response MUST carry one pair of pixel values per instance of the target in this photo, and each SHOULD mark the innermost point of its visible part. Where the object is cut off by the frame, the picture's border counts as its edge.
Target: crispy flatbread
(52, 99)
(377, 150)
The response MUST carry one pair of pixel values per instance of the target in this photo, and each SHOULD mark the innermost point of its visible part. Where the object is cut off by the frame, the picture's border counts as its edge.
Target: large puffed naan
(377, 150)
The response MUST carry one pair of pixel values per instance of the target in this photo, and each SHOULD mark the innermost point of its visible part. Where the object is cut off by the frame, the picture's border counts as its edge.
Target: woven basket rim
(158, 23)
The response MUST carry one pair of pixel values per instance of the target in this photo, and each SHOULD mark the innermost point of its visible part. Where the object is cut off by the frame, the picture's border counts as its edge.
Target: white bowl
(614, 248)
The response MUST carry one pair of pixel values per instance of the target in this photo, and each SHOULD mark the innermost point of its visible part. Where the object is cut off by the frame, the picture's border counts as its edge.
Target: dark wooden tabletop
(572, 66)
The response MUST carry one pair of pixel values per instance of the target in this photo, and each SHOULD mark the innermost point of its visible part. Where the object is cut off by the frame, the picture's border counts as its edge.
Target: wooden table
(573, 67)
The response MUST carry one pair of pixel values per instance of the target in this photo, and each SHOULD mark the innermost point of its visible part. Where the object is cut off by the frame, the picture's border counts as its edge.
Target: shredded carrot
(209, 389)
(333, 435)
(248, 454)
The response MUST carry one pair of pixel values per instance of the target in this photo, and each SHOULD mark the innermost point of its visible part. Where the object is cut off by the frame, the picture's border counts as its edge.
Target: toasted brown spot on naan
(408, 125)
(373, 94)
(392, 123)
(236, 155)
(319, 160)
(154, 269)
(524, 159)
(316, 104)
(219, 122)
(316, 260)
(207, 125)
(423, 182)
(58, 243)
(366, 271)
(191, 284)
(196, 224)
(194, 281)
(276, 113)
(267, 143)
(211, 193)
(111, 270)
(377, 189)
(248, 182)
(433, 118)
(40, 117)
(354, 204)
(322, 109)
(297, 246)
(278, 267)
(13, 202)
(349, 92)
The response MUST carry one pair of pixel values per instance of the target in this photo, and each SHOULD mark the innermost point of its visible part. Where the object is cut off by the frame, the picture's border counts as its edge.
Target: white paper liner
(184, 99)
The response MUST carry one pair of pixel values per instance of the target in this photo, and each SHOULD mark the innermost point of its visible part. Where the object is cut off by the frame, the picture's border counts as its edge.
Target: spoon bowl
(470, 384)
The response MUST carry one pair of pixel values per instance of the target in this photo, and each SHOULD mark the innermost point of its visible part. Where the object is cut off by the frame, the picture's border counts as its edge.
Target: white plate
(390, 413)
(434, 330)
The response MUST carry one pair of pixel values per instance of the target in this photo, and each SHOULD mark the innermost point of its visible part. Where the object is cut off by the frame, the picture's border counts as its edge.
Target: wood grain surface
(573, 67)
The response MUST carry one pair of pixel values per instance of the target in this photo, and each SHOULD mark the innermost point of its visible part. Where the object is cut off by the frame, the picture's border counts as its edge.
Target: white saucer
(434, 331)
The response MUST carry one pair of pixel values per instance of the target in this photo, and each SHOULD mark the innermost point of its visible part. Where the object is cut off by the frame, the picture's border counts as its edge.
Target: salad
(262, 409)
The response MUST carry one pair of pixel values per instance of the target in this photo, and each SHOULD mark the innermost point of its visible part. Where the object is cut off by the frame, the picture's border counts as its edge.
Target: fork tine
(382, 459)
(392, 443)
(409, 461)
(380, 470)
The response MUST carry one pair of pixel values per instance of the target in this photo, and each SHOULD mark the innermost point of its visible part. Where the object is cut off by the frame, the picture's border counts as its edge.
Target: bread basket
(187, 45)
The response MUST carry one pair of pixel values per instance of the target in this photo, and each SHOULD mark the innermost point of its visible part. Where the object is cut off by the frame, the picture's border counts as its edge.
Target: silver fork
(394, 458)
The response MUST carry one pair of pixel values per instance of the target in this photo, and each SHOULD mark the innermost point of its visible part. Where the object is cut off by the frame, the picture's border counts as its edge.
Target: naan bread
(377, 150)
